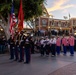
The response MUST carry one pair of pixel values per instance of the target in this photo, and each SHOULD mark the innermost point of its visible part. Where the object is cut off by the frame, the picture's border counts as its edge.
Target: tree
(32, 9)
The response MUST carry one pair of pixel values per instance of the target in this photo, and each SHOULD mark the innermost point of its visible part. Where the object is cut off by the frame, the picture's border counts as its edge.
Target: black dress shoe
(15, 59)
(20, 61)
(26, 62)
(72, 55)
(53, 55)
(11, 58)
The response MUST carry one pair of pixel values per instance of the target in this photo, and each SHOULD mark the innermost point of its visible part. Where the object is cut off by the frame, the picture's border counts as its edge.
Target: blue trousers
(58, 49)
(21, 54)
(42, 50)
(53, 49)
(65, 49)
(2, 48)
(16, 53)
(71, 49)
(27, 54)
(11, 53)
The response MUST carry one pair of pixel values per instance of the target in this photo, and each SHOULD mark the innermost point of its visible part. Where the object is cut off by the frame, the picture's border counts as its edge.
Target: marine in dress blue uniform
(16, 46)
(21, 47)
(12, 47)
(27, 50)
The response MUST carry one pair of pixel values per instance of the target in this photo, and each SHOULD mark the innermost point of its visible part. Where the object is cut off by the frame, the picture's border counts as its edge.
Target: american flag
(12, 20)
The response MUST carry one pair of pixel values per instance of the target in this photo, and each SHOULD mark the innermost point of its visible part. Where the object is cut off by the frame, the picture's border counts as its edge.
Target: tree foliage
(31, 8)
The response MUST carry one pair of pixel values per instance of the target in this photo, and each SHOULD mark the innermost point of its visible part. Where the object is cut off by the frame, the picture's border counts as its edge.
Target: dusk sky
(60, 8)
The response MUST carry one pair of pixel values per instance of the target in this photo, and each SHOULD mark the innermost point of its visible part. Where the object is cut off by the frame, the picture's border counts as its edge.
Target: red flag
(20, 17)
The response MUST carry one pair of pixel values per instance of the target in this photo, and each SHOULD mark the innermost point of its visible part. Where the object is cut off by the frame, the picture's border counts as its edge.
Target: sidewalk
(59, 65)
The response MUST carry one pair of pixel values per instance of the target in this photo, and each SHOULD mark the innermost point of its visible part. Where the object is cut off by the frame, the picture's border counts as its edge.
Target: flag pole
(69, 23)
(69, 16)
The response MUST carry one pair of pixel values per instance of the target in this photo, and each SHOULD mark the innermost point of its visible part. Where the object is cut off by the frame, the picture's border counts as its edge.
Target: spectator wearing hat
(3, 45)
(32, 45)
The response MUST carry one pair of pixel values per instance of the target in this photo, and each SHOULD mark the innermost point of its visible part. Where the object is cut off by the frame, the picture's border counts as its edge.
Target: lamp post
(49, 26)
(65, 17)
(34, 24)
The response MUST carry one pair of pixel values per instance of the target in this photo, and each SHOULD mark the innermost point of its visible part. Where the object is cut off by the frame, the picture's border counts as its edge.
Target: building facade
(58, 25)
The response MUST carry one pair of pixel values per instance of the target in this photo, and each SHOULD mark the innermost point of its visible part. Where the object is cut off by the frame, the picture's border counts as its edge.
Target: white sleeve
(49, 41)
(54, 41)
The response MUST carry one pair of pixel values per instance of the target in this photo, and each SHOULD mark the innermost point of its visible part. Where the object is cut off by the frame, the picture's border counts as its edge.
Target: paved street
(59, 65)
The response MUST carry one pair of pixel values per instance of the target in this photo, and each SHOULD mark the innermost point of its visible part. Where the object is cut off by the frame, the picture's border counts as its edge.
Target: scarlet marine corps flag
(20, 17)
